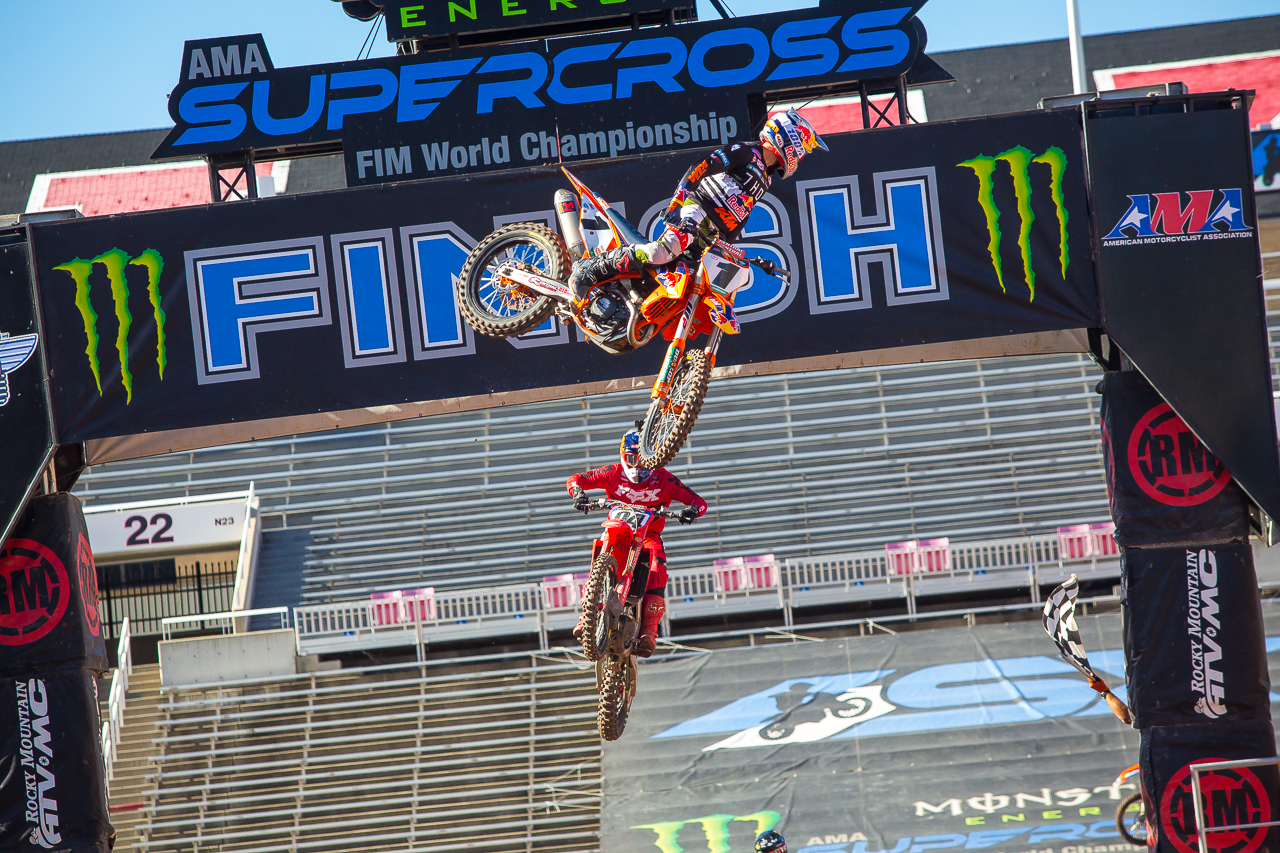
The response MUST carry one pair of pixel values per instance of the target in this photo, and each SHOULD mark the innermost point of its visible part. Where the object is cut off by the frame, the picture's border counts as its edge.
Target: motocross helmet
(771, 842)
(629, 450)
(789, 136)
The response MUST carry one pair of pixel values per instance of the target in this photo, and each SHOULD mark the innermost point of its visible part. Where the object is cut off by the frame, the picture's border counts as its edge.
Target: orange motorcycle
(516, 278)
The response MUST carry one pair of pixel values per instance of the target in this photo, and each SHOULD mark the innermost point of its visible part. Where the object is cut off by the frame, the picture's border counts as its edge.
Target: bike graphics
(611, 607)
(516, 277)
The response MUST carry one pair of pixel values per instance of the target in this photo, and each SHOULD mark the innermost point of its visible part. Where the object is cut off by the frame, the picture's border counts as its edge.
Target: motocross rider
(714, 198)
(624, 481)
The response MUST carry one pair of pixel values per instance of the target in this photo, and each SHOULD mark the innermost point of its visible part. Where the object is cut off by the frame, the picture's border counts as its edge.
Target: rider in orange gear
(625, 481)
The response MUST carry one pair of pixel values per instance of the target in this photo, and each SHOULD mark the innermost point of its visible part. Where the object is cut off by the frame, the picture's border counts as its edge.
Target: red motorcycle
(611, 607)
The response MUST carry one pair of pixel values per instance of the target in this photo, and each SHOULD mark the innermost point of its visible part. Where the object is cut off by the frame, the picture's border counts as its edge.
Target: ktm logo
(114, 262)
(1161, 215)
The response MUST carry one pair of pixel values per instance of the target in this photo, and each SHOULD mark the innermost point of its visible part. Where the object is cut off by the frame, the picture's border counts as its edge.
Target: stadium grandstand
(483, 737)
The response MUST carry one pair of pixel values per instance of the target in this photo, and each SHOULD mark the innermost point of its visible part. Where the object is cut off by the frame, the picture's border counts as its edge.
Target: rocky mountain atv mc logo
(34, 591)
(14, 353)
(1168, 220)
(1169, 462)
(114, 262)
(1232, 797)
(1019, 160)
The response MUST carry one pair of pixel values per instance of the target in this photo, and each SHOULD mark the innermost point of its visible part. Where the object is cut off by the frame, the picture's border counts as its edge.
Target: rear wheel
(595, 628)
(616, 692)
(504, 309)
(669, 421)
(1131, 820)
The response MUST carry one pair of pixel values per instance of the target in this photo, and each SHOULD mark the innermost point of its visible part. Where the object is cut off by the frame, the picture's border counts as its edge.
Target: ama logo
(1163, 217)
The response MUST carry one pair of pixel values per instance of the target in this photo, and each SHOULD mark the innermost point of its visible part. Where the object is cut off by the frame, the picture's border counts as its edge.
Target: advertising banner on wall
(49, 617)
(330, 302)
(1164, 486)
(1194, 636)
(977, 739)
(26, 418)
(53, 794)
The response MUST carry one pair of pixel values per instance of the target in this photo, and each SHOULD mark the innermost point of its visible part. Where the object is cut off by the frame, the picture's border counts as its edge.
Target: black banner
(933, 244)
(1193, 636)
(514, 106)
(980, 739)
(1164, 486)
(419, 19)
(49, 618)
(1180, 272)
(1230, 797)
(52, 782)
(26, 422)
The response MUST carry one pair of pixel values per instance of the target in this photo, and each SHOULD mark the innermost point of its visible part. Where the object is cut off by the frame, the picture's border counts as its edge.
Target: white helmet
(789, 136)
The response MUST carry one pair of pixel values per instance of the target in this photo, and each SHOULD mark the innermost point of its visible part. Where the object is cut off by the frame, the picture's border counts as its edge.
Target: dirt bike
(815, 710)
(515, 279)
(1131, 814)
(611, 607)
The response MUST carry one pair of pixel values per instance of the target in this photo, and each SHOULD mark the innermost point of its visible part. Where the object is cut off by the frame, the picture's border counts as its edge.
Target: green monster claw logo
(1020, 160)
(114, 262)
(715, 827)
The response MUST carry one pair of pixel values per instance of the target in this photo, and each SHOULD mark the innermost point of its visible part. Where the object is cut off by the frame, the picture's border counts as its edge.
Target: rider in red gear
(624, 481)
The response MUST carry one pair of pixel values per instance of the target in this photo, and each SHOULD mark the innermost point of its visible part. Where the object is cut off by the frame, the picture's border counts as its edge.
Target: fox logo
(639, 496)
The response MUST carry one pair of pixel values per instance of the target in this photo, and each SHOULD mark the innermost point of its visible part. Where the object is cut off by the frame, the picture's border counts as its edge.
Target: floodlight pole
(1079, 83)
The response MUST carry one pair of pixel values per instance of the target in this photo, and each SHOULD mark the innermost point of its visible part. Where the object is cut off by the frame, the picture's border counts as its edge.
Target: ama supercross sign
(1164, 218)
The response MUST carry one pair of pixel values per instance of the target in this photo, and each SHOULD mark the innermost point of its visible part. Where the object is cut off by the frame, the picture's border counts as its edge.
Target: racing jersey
(660, 489)
(727, 185)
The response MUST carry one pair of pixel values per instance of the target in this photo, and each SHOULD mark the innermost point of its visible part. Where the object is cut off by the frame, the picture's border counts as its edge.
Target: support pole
(1079, 83)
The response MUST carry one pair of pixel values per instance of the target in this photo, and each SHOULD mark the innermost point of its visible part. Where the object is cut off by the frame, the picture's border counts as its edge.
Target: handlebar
(771, 268)
(607, 503)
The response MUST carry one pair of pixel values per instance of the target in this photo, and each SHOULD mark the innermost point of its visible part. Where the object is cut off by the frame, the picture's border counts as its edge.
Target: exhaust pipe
(567, 212)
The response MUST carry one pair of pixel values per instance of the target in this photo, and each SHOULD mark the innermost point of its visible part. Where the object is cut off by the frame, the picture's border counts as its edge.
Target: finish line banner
(290, 306)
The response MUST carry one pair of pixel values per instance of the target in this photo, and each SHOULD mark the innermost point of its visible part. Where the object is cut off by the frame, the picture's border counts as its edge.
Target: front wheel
(595, 626)
(618, 688)
(669, 420)
(1131, 820)
(501, 308)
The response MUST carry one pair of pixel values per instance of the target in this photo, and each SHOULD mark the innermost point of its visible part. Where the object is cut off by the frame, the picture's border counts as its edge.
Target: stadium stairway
(133, 754)
(278, 579)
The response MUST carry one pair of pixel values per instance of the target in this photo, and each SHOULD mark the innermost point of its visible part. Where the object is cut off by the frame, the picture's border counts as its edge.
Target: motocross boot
(655, 606)
(591, 271)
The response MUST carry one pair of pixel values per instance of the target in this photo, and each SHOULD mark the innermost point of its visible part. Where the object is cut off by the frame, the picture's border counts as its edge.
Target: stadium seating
(802, 466)
(497, 752)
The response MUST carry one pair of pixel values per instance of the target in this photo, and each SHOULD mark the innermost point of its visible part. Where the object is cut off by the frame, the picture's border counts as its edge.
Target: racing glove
(688, 515)
(581, 502)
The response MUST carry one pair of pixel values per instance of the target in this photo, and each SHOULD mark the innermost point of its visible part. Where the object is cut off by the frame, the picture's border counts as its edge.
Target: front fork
(675, 352)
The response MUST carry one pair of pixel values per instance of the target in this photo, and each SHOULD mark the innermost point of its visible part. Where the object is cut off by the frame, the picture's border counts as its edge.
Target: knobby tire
(556, 266)
(615, 697)
(657, 451)
(1136, 841)
(593, 597)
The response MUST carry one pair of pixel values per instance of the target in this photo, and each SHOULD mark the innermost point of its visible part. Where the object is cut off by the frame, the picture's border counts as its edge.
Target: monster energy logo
(715, 827)
(1020, 160)
(114, 262)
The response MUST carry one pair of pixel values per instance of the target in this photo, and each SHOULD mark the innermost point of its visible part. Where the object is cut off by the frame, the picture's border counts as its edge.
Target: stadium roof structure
(33, 173)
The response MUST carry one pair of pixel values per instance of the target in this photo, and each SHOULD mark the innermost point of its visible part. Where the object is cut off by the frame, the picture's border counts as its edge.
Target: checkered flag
(1060, 625)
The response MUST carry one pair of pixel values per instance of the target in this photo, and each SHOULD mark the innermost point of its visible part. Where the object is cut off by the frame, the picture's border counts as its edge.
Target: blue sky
(87, 66)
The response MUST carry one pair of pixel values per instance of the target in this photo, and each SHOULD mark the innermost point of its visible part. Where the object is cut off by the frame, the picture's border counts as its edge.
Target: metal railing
(470, 614)
(202, 587)
(113, 725)
(227, 621)
(1197, 769)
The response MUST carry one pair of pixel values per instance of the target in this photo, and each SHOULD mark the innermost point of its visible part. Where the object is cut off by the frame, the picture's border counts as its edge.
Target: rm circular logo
(34, 590)
(1169, 462)
(1231, 797)
(88, 586)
